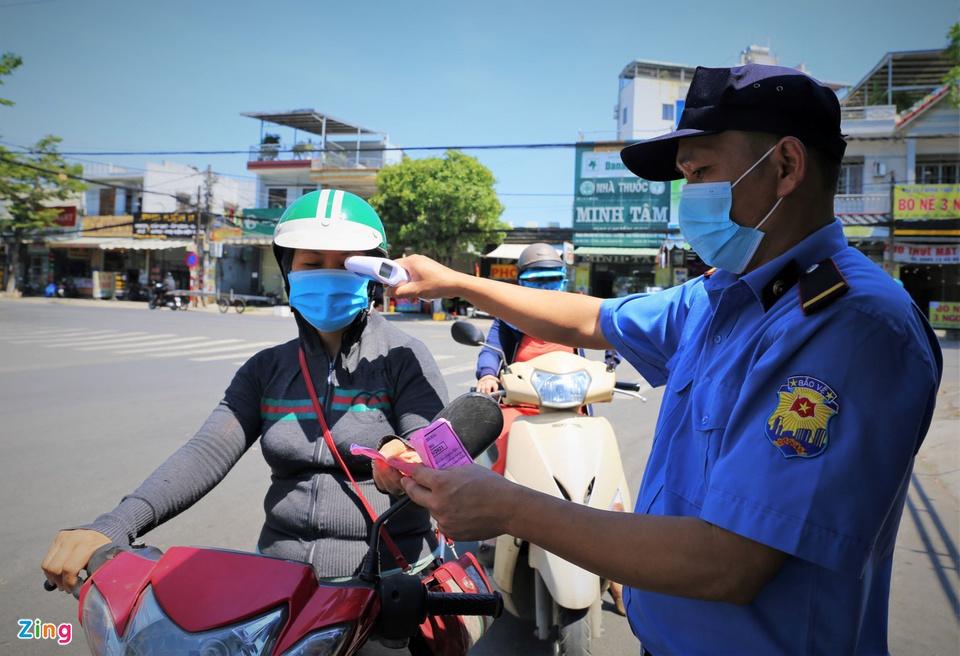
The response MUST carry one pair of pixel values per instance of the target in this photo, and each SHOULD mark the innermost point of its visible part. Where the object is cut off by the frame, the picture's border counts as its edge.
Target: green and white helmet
(330, 220)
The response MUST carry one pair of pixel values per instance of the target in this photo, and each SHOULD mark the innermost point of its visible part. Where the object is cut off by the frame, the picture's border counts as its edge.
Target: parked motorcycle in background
(555, 447)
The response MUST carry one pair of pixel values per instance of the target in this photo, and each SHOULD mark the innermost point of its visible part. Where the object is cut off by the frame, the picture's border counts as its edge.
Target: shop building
(899, 188)
(298, 151)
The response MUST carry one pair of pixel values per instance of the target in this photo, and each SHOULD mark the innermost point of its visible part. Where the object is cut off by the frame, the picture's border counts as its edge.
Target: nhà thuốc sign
(609, 198)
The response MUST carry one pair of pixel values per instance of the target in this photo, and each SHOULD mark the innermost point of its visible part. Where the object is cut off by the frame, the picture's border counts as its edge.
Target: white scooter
(563, 452)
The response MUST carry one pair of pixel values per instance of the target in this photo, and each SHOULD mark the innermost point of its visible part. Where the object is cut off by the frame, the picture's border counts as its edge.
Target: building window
(667, 112)
(130, 204)
(108, 201)
(851, 178)
(277, 197)
(624, 116)
(941, 170)
(307, 190)
(183, 202)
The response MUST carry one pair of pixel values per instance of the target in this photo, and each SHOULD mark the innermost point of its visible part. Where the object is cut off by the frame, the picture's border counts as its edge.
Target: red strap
(328, 438)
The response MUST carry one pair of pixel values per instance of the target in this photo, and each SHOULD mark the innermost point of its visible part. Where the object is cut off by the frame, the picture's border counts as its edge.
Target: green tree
(953, 53)
(29, 183)
(439, 206)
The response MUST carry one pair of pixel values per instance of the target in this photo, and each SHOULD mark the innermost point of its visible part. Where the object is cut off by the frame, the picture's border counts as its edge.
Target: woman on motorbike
(541, 267)
(372, 381)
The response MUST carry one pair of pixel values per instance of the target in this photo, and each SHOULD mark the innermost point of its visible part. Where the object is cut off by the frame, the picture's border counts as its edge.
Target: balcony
(336, 155)
(870, 120)
(862, 209)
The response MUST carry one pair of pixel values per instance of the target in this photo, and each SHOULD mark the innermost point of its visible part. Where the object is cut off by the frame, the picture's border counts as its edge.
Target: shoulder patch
(799, 424)
(820, 286)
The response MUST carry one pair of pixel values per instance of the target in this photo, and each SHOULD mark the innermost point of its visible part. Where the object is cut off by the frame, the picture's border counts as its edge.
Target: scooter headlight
(326, 642)
(98, 624)
(150, 631)
(561, 390)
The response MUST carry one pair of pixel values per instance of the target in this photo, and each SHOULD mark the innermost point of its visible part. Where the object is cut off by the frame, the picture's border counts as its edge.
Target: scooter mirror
(466, 333)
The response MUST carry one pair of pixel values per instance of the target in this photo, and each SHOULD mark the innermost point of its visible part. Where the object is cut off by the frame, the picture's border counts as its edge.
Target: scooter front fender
(570, 586)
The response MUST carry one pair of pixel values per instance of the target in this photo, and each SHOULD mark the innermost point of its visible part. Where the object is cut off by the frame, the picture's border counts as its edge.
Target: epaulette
(821, 285)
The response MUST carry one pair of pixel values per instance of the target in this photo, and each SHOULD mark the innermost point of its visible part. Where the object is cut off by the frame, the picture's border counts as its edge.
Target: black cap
(755, 98)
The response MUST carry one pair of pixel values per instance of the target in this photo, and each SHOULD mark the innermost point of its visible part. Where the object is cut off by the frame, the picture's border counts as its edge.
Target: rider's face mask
(329, 299)
(705, 222)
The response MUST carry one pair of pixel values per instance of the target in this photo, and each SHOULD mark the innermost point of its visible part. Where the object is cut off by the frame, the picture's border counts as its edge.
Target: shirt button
(717, 339)
(705, 419)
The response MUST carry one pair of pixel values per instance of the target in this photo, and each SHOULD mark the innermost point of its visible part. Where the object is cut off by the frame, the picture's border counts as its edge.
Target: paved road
(94, 395)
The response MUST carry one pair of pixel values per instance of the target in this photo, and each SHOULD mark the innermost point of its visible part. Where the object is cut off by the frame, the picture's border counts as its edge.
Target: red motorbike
(216, 602)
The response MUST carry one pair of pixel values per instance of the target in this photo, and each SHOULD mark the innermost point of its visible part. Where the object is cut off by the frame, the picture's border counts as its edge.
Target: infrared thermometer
(380, 269)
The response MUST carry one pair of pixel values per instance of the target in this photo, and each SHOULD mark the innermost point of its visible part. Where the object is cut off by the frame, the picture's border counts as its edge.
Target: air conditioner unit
(879, 169)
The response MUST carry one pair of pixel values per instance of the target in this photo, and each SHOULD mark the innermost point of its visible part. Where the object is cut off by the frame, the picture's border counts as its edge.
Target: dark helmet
(539, 256)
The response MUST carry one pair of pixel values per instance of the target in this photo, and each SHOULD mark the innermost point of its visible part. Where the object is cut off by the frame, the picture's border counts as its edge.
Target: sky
(176, 74)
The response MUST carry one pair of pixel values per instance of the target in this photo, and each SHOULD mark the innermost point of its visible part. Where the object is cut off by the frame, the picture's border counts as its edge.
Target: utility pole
(889, 255)
(203, 226)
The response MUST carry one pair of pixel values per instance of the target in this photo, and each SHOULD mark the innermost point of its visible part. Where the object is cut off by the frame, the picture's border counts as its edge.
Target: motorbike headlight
(98, 624)
(561, 390)
(320, 643)
(152, 632)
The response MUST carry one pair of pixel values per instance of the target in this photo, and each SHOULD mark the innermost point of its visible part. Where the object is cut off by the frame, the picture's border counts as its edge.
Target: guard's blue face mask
(329, 299)
(705, 222)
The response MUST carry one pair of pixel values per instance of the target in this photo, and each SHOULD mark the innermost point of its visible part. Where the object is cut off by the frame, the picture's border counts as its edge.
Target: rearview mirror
(466, 333)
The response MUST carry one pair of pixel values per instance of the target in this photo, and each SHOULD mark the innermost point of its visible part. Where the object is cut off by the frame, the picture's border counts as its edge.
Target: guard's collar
(770, 281)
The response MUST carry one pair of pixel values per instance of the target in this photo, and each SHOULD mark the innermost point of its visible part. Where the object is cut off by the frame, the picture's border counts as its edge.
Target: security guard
(800, 382)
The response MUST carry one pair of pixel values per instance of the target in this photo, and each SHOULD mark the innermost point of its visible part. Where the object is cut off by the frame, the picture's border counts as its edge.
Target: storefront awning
(616, 250)
(119, 243)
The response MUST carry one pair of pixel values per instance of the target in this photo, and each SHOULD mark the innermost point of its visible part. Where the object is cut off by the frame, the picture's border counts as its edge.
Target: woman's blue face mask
(329, 299)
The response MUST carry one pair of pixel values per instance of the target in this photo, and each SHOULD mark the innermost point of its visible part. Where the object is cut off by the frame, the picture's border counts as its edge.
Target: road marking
(443, 357)
(201, 348)
(114, 339)
(459, 369)
(70, 333)
(30, 332)
(214, 358)
(97, 334)
(129, 342)
(156, 347)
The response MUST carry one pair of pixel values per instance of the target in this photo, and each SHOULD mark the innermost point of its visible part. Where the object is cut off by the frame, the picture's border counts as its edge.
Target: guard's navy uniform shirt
(795, 430)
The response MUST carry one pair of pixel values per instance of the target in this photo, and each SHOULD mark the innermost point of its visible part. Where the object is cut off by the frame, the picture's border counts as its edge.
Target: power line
(377, 149)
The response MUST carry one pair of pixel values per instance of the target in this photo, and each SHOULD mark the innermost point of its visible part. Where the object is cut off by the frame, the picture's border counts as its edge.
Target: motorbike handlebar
(627, 387)
(450, 603)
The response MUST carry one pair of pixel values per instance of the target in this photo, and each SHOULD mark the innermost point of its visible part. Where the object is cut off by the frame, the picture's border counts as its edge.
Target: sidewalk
(924, 607)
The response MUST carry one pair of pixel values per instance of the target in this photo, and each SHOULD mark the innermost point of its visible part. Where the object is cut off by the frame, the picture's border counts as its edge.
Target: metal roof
(310, 120)
(901, 79)
(657, 69)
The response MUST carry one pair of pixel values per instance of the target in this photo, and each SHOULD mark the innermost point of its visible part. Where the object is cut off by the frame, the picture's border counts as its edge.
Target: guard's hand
(488, 384)
(469, 503)
(387, 478)
(428, 279)
(68, 554)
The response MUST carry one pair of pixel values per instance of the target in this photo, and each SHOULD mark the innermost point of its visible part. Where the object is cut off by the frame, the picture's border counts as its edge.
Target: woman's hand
(429, 279)
(68, 554)
(488, 384)
(387, 478)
